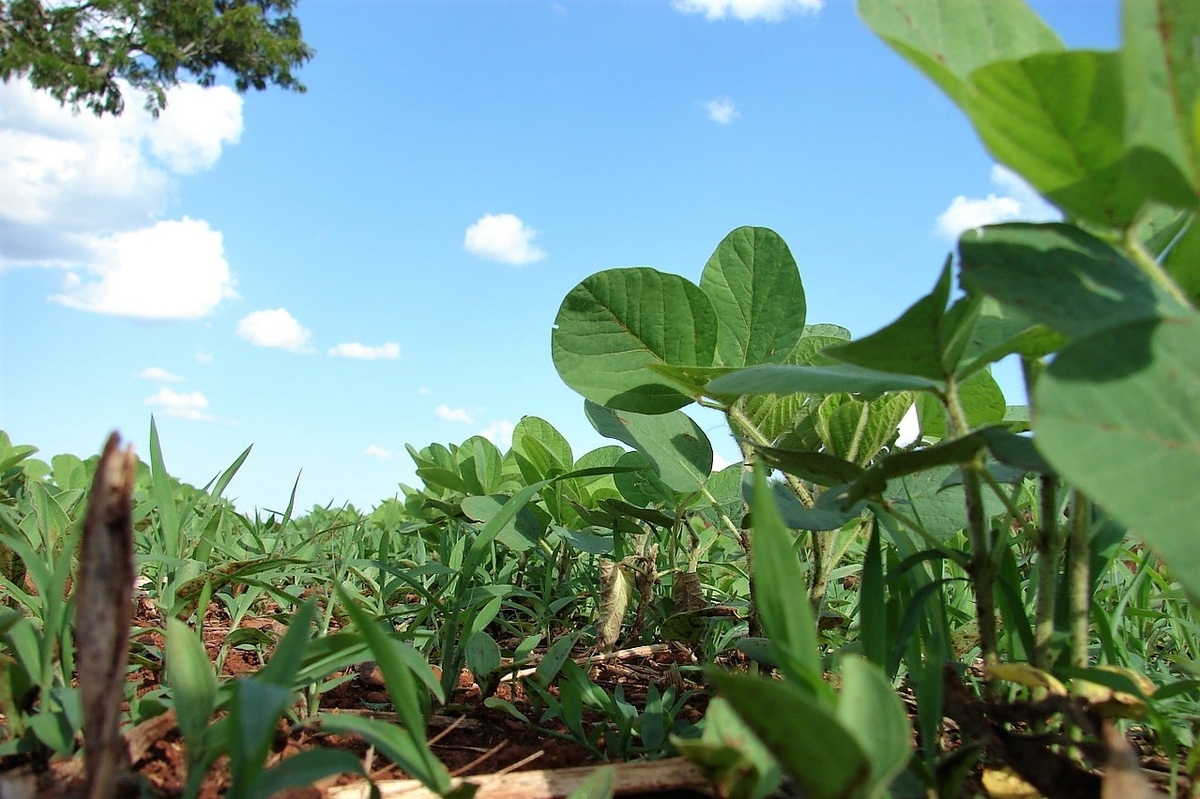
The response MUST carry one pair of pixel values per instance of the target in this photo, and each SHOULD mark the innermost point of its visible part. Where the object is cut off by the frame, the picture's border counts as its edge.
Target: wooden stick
(652, 776)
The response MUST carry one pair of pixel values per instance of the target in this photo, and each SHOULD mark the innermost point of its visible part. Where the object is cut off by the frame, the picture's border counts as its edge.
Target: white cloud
(747, 10)
(376, 451)
(160, 375)
(722, 110)
(80, 192)
(499, 433)
(504, 238)
(171, 270)
(190, 406)
(1018, 201)
(203, 358)
(720, 463)
(362, 352)
(274, 328)
(448, 414)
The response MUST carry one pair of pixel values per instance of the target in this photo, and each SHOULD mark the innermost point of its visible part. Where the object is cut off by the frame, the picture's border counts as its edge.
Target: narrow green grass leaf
(779, 591)
(164, 498)
(193, 683)
(305, 768)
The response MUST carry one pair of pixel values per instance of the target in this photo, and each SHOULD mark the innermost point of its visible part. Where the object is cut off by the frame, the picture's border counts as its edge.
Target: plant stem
(983, 564)
(1152, 269)
(1049, 546)
(1079, 578)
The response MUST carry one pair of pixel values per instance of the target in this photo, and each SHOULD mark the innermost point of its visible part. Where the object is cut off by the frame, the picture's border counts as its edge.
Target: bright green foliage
(613, 326)
(82, 52)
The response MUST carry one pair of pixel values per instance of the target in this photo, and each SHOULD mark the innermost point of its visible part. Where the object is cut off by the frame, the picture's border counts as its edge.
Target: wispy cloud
(721, 110)
(84, 194)
(192, 405)
(362, 352)
(448, 414)
(504, 238)
(747, 10)
(274, 328)
(204, 358)
(160, 375)
(499, 433)
(1017, 200)
(376, 451)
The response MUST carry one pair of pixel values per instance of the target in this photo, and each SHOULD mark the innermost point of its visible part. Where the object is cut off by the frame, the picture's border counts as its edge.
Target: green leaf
(802, 732)
(856, 430)
(615, 323)
(786, 379)
(402, 690)
(406, 748)
(926, 341)
(1162, 93)
(729, 754)
(871, 711)
(1060, 276)
(598, 785)
(940, 510)
(481, 465)
(482, 655)
(1117, 416)
(520, 534)
(164, 497)
(982, 403)
(305, 768)
(674, 444)
(289, 652)
(537, 442)
(1058, 119)
(257, 706)
(950, 39)
(754, 285)
(193, 684)
(1182, 262)
(779, 592)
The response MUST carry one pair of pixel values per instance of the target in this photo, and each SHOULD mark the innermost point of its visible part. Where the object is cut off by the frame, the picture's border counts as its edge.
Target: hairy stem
(983, 564)
(1079, 578)
(1049, 546)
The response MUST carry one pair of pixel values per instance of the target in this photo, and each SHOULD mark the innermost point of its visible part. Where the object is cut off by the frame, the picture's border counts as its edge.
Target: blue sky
(378, 262)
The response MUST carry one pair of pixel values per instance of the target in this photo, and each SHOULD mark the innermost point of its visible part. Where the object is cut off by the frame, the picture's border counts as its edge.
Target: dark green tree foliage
(81, 51)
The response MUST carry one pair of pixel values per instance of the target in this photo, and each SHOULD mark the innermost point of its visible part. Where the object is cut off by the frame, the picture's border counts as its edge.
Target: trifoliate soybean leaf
(788, 379)
(803, 733)
(616, 322)
(950, 39)
(1161, 92)
(1058, 120)
(754, 285)
(676, 446)
(1118, 417)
